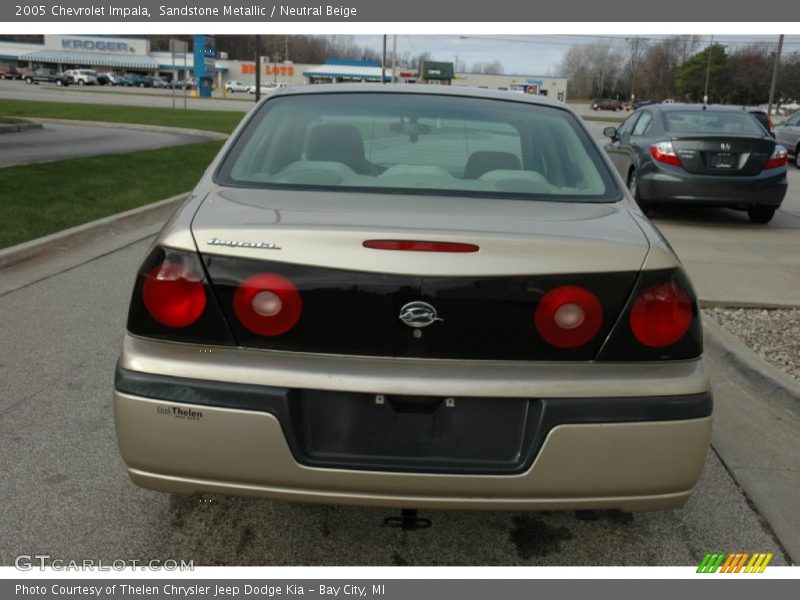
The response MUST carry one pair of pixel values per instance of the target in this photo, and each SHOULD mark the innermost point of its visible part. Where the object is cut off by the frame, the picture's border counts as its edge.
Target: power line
(622, 39)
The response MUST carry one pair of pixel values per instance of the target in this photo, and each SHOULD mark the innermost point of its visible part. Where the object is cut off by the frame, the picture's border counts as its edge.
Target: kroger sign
(114, 45)
(96, 45)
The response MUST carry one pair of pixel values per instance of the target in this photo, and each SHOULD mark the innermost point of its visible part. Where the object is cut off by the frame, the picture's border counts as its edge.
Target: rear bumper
(189, 435)
(676, 186)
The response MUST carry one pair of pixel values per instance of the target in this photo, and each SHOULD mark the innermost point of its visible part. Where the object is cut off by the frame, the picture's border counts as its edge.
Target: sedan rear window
(707, 121)
(419, 143)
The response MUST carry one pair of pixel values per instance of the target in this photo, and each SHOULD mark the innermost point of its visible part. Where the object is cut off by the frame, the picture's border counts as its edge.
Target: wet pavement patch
(533, 537)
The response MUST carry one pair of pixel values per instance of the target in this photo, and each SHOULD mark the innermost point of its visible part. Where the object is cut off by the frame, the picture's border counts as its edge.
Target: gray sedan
(700, 155)
(788, 135)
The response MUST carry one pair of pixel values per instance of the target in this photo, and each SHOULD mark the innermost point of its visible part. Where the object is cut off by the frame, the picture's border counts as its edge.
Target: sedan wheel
(81, 82)
(59, 83)
(760, 214)
(28, 80)
(633, 188)
(797, 157)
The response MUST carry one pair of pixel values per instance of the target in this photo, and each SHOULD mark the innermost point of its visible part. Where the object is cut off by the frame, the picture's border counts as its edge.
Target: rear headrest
(338, 143)
(484, 161)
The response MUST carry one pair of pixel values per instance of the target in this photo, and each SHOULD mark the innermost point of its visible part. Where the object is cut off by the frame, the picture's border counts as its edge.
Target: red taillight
(568, 316)
(661, 315)
(267, 304)
(664, 152)
(420, 246)
(779, 157)
(174, 294)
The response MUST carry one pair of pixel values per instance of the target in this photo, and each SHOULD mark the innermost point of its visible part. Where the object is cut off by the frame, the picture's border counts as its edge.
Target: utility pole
(394, 58)
(775, 69)
(383, 61)
(708, 70)
(258, 68)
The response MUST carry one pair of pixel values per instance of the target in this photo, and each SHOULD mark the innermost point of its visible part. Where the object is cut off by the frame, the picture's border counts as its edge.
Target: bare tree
(494, 67)
(594, 69)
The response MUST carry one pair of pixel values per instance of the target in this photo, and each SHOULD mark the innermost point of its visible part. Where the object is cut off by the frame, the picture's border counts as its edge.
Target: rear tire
(797, 156)
(29, 81)
(633, 188)
(761, 214)
(59, 83)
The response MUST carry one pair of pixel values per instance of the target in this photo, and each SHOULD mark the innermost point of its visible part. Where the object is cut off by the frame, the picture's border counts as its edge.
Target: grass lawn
(37, 200)
(211, 120)
(11, 120)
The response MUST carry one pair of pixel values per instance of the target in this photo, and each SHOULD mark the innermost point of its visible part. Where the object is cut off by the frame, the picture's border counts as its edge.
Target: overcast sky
(528, 55)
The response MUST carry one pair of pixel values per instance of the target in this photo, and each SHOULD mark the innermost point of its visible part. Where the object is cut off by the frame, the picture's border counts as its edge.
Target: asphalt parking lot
(65, 491)
(60, 141)
(19, 90)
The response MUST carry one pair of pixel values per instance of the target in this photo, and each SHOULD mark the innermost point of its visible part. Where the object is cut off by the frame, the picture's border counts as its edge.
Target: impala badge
(419, 314)
(240, 244)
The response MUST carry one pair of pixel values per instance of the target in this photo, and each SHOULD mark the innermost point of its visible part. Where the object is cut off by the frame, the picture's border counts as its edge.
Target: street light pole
(383, 61)
(394, 58)
(708, 71)
(775, 69)
(258, 68)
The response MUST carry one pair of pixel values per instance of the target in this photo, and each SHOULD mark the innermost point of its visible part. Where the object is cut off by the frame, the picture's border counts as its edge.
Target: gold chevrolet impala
(417, 297)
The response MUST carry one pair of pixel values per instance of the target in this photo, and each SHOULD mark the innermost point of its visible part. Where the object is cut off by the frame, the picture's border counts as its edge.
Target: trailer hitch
(407, 521)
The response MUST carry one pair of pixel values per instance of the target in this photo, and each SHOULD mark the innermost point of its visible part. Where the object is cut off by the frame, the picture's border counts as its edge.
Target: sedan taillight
(173, 300)
(568, 316)
(778, 159)
(660, 322)
(661, 315)
(267, 304)
(663, 152)
(174, 294)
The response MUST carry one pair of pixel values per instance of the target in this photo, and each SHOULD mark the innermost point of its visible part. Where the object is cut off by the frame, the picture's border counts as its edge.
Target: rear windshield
(418, 143)
(707, 121)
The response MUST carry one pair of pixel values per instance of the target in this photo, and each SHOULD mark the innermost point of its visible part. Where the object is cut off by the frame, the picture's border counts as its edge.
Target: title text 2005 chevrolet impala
(414, 297)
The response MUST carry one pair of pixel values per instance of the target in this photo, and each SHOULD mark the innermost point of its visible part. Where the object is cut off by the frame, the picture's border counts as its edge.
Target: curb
(110, 226)
(212, 135)
(15, 127)
(775, 382)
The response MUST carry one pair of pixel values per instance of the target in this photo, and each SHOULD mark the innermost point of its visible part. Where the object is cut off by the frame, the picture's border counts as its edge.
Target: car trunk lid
(329, 230)
(354, 298)
(723, 155)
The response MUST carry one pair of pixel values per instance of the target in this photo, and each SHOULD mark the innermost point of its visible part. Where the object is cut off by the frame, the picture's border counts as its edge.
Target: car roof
(420, 89)
(682, 107)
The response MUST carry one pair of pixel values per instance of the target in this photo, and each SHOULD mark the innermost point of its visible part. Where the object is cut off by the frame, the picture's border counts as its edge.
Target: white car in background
(266, 88)
(82, 76)
(236, 86)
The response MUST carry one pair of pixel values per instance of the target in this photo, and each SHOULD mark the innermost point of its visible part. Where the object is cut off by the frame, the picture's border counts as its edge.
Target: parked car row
(87, 77)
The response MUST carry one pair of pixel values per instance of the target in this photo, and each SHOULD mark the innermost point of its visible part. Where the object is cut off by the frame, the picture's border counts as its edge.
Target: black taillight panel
(622, 344)
(358, 313)
(209, 328)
